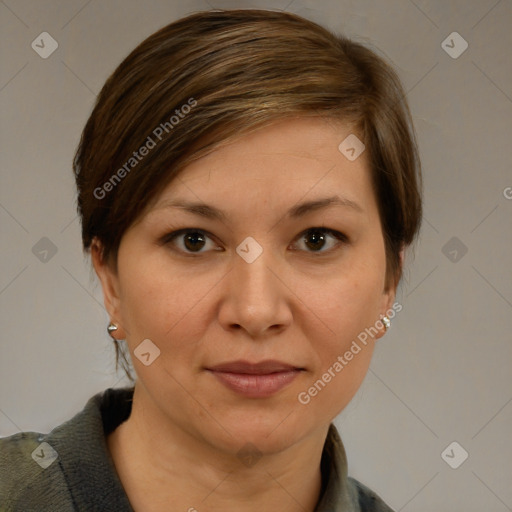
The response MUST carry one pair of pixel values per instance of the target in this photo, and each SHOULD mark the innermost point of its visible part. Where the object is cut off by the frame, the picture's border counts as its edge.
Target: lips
(261, 368)
(256, 380)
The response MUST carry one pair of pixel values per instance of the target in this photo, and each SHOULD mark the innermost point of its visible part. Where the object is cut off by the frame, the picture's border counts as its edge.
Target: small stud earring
(111, 328)
(387, 322)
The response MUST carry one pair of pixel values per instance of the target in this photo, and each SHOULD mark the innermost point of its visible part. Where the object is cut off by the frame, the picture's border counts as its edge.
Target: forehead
(289, 160)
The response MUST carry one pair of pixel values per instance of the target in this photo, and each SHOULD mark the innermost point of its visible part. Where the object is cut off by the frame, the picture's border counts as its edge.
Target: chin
(270, 432)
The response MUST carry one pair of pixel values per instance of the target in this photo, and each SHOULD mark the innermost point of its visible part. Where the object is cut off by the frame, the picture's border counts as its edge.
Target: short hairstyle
(204, 80)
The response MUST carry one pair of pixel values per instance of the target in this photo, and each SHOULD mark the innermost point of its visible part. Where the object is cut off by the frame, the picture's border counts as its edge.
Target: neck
(160, 464)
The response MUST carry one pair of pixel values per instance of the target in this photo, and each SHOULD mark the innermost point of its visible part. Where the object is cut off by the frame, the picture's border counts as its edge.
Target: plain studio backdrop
(430, 427)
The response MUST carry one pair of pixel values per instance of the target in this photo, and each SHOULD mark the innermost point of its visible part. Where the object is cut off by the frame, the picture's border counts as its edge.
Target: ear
(389, 295)
(110, 286)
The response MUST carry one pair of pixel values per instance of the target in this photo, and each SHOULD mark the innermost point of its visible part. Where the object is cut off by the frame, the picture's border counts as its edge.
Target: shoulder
(30, 475)
(69, 468)
(368, 500)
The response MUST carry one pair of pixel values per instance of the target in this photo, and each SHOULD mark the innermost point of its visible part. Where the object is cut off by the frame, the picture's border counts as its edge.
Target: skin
(201, 304)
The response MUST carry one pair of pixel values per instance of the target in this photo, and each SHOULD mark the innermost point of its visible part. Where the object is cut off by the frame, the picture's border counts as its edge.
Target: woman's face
(251, 285)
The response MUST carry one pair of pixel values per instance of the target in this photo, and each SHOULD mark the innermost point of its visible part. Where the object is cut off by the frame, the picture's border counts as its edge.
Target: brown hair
(210, 77)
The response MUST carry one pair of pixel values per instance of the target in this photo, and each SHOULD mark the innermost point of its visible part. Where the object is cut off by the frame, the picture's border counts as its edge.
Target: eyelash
(343, 239)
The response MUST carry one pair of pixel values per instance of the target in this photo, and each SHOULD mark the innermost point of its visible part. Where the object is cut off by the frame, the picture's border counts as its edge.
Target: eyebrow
(297, 211)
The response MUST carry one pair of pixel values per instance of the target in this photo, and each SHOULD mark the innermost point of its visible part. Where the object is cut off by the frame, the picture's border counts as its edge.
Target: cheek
(344, 350)
(348, 303)
(348, 307)
(162, 303)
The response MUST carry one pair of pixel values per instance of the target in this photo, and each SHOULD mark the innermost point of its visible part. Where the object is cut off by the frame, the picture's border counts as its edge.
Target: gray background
(441, 374)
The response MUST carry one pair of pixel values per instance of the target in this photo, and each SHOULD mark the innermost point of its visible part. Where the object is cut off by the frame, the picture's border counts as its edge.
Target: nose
(255, 297)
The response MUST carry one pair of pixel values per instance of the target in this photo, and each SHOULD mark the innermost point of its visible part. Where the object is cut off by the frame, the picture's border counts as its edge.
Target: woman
(247, 185)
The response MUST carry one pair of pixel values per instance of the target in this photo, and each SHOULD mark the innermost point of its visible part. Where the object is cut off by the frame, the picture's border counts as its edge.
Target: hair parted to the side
(204, 80)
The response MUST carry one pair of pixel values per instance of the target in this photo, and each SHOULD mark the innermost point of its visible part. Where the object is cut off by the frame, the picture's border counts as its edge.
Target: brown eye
(317, 238)
(190, 240)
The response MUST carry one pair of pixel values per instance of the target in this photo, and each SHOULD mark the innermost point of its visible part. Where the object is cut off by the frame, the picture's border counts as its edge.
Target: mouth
(255, 380)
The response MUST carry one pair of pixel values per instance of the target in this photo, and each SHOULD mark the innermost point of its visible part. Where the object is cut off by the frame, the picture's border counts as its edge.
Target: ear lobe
(388, 300)
(389, 295)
